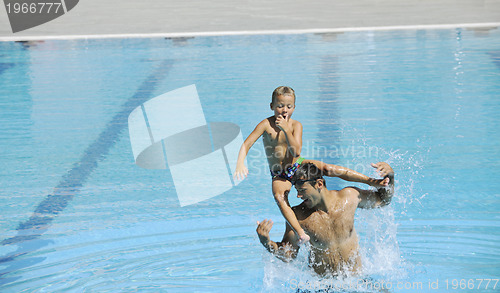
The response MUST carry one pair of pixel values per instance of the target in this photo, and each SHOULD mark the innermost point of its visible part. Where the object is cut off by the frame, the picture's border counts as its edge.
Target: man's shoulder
(348, 191)
(350, 194)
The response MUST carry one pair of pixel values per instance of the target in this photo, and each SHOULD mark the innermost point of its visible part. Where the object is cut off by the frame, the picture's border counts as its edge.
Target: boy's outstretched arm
(242, 171)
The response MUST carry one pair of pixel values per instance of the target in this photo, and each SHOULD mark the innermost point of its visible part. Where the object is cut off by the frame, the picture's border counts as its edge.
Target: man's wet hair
(308, 172)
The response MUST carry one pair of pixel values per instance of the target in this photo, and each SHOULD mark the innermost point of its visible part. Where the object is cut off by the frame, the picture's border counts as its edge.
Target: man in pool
(328, 217)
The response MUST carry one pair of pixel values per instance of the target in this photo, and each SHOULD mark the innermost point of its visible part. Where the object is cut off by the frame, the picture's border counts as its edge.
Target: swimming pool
(78, 215)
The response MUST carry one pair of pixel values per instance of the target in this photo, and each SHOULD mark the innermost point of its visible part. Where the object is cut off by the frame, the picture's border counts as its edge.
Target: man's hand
(370, 199)
(283, 123)
(384, 170)
(285, 250)
(263, 229)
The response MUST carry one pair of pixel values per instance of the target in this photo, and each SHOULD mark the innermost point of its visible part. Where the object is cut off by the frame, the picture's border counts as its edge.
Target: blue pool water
(77, 215)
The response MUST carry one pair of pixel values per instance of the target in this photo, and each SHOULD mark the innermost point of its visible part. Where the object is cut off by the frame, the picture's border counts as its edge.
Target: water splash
(383, 262)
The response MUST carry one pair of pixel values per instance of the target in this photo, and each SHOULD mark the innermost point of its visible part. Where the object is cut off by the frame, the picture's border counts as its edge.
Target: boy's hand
(241, 172)
(282, 123)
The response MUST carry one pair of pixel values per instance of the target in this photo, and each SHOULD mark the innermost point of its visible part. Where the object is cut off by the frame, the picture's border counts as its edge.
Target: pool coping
(252, 32)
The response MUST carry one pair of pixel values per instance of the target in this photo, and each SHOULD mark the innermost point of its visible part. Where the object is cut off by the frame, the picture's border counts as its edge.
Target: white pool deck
(127, 18)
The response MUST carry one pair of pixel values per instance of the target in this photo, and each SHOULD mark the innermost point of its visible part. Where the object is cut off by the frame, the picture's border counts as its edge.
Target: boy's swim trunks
(288, 173)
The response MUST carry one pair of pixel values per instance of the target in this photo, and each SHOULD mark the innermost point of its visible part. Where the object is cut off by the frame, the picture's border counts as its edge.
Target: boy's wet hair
(283, 91)
(308, 172)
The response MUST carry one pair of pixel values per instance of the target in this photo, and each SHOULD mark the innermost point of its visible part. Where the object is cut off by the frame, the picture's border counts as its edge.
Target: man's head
(309, 182)
(283, 102)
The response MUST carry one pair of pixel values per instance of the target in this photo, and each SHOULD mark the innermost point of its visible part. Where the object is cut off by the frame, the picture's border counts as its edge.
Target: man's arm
(369, 199)
(347, 174)
(285, 250)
